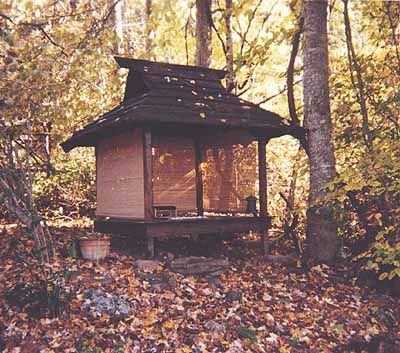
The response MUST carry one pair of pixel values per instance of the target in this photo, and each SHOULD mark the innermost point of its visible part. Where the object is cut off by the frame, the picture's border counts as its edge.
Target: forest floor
(254, 306)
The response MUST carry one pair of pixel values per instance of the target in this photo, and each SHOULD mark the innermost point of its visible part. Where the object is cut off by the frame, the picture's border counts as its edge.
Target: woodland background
(57, 74)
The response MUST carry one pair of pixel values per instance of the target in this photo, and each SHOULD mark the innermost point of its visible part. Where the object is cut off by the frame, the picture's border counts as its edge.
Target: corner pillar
(148, 186)
(262, 175)
(199, 178)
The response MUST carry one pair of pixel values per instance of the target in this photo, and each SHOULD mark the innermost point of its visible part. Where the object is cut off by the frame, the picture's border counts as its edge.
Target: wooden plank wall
(120, 186)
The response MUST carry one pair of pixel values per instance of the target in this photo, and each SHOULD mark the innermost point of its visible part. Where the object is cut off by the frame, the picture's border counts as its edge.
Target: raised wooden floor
(160, 227)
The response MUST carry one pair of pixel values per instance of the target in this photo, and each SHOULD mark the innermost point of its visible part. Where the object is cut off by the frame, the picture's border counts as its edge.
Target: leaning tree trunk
(203, 33)
(321, 229)
(16, 186)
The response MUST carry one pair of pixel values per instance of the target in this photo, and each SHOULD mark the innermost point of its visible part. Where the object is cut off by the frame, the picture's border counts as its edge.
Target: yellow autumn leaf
(185, 349)
(169, 324)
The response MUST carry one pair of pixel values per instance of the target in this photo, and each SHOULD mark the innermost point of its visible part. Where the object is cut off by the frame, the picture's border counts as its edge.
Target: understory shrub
(366, 202)
(70, 190)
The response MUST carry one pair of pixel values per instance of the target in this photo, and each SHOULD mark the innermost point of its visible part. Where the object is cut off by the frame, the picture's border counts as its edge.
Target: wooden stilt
(199, 178)
(148, 187)
(264, 239)
(150, 247)
(147, 174)
(262, 174)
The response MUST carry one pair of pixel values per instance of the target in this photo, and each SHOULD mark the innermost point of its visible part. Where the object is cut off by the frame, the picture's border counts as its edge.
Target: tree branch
(41, 29)
(216, 32)
(253, 14)
(92, 29)
(37, 26)
(290, 74)
(283, 90)
(7, 18)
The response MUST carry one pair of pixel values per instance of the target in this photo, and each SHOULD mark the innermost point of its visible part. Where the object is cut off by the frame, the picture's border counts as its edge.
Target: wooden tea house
(180, 155)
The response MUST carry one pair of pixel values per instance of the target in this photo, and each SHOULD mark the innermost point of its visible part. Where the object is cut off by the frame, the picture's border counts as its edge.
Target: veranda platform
(180, 226)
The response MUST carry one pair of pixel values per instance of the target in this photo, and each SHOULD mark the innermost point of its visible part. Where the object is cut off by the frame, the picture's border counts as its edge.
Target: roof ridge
(142, 65)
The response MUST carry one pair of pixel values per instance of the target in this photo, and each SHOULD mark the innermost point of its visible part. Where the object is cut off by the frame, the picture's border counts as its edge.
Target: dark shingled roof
(161, 94)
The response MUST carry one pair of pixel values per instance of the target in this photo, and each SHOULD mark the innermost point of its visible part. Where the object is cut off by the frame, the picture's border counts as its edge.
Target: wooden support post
(96, 151)
(147, 174)
(148, 185)
(150, 247)
(262, 175)
(199, 178)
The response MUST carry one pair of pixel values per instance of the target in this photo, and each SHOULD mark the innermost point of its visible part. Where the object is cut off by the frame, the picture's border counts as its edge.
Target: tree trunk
(359, 84)
(291, 221)
(117, 20)
(394, 31)
(321, 228)
(16, 188)
(230, 79)
(294, 119)
(226, 194)
(48, 148)
(203, 33)
(147, 32)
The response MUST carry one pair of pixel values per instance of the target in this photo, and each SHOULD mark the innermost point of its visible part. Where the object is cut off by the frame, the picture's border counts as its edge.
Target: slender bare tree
(116, 18)
(357, 82)
(321, 229)
(147, 32)
(203, 33)
(230, 79)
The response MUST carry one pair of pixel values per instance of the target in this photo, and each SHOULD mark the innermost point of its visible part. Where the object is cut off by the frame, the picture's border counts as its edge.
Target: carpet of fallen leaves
(262, 307)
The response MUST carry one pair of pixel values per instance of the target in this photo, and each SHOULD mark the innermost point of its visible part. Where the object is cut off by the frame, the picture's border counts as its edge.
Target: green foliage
(365, 196)
(70, 189)
(366, 201)
(385, 254)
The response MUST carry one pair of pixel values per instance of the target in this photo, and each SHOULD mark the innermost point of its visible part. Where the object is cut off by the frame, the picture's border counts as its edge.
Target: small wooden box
(164, 211)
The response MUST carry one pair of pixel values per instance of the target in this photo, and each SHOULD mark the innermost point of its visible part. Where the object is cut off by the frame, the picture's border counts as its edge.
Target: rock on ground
(147, 265)
(214, 326)
(106, 303)
(194, 265)
(159, 281)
